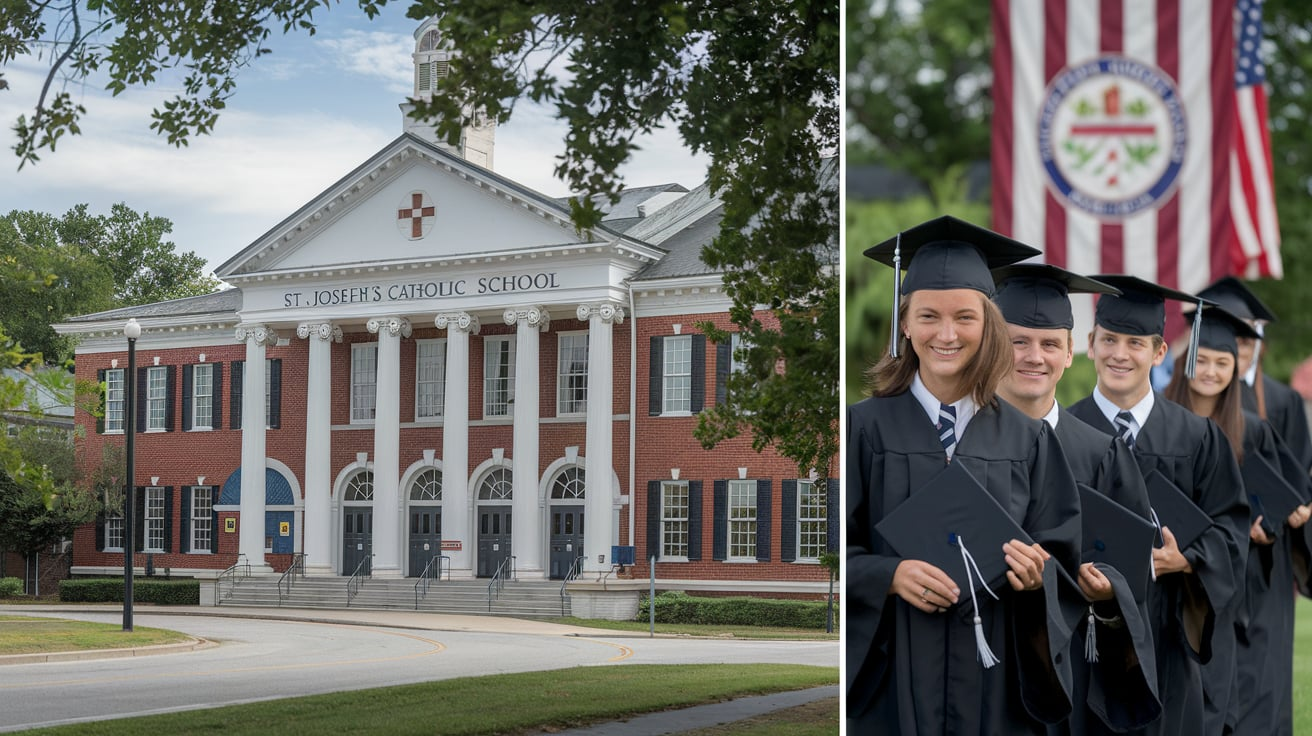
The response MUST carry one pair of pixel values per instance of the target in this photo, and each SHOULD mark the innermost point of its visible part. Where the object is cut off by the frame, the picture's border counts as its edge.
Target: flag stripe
(1004, 133)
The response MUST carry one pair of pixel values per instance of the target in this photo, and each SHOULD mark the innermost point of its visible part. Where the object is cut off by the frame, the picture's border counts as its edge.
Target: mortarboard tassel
(1152, 568)
(897, 293)
(986, 655)
(1189, 368)
(1091, 639)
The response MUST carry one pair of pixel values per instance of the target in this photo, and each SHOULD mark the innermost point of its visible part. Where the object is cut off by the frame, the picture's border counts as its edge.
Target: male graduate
(1118, 691)
(1194, 583)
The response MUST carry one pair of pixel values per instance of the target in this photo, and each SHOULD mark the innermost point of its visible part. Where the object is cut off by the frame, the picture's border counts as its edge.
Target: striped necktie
(947, 427)
(1125, 427)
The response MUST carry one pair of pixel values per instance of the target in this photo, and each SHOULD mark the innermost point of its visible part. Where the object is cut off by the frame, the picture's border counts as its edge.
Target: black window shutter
(187, 398)
(168, 520)
(184, 522)
(694, 520)
(764, 516)
(698, 373)
(169, 398)
(275, 393)
(722, 357)
(831, 515)
(788, 521)
(139, 520)
(653, 519)
(104, 404)
(142, 383)
(101, 522)
(720, 521)
(216, 398)
(655, 390)
(237, 388)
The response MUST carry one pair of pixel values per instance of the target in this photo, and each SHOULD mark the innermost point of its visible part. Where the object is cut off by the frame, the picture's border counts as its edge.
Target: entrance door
(493, 538)
(357, 536)
(425, 537)
(279, 536)
(566, 539)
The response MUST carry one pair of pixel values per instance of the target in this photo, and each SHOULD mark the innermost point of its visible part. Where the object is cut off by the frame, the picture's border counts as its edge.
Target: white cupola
(432, 57)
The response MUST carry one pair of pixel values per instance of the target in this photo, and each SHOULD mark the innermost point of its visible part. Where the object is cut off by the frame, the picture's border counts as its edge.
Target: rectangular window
(498, 376)
(674, 519)
(114, 532)
(430, 378)
(202, 518)
(742, 520)
(268, 392)
(156, 398)
(812, 524)
(676, 375)
(202, 396)
(364, 381)
(114, 398)
(154, 519)
(736, 344)
(572, 375)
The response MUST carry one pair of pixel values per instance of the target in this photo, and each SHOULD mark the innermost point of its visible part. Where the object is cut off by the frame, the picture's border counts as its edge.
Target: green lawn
(31, 634)
(1303, 666)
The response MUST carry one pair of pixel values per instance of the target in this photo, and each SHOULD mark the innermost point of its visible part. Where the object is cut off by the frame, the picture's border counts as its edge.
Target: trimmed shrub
(677, 607)
(110, 590)
(10, 587)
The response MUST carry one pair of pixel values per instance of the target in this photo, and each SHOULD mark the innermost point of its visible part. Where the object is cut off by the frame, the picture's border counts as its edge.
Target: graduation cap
(1117, 536)
(1037, 295)
(945, 253)
(1173, 508)
(1140, 309)
(937, 523)
(1235, 296)
(1220, 330)
(1270, 494)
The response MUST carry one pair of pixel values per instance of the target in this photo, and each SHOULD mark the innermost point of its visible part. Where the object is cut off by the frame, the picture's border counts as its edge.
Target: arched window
(427, 486)
(430, 41)
(496, 486)
(360, 487)
(569, 483)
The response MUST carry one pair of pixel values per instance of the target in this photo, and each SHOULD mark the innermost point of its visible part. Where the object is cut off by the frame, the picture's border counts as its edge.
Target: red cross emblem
(419, 215)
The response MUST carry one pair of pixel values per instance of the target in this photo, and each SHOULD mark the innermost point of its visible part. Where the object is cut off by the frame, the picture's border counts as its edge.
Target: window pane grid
(202, 392)
(427, 486)
(572, 375)
(364, 381)
(114, 532)
(114, 402)
(202, 507)
(498, 376)
(430, 378)
(677, 375)
(155, 519)
(156, 397)
(497, 485)
(569, 483)
(742, 519)
(674, 519)
(812, 526)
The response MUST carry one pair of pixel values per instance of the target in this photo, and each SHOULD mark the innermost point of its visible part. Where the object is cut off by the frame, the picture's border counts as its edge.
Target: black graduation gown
(1118, 693)
(1285, 412)
(909, 672)
(1193, 453)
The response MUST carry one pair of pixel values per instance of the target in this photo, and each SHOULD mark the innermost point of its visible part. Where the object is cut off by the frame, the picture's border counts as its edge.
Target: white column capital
(326, 331)
(607, 311)
(536, 316)
(261, 334)
(393, 325)
(463, 321)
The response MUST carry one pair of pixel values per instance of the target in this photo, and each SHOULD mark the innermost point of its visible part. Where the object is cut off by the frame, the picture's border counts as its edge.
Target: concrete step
(534, 598)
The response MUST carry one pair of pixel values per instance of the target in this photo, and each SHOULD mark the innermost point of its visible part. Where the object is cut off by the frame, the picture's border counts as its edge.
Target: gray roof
(624, 214)
(48, 403)
(228, 300)
(685, 246)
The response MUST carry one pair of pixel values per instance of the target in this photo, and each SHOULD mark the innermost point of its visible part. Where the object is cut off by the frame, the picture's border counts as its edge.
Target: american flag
(1113, 132)
(1252, 195)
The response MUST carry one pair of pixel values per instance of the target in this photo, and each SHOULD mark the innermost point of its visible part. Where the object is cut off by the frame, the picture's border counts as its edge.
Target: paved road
(260, 659)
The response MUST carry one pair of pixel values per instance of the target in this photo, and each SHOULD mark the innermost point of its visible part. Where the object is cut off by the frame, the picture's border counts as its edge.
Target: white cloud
(376, 55)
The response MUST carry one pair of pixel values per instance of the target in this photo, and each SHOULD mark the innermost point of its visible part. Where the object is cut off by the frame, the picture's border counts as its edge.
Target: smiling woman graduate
(927, 654)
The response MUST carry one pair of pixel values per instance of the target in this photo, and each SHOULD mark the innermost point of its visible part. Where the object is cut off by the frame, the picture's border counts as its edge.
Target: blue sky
(302, 117)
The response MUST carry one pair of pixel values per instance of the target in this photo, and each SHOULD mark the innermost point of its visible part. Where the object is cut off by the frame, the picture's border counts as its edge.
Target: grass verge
(496, 704)
(716, 631)
(33, 634)
(819, 718)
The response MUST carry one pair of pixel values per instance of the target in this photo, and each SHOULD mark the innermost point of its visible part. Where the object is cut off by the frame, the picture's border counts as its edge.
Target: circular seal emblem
(415, 214)
(1112, 136)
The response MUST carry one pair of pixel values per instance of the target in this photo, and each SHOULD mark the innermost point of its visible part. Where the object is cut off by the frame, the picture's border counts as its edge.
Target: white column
(318, 523)
(600, 530)
(457, 506)
(529, 521)
(250, 538)
(388, 520)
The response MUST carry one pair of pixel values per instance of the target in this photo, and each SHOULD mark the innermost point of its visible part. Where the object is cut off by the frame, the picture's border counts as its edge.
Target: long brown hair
(892, 376)
(1228, 413)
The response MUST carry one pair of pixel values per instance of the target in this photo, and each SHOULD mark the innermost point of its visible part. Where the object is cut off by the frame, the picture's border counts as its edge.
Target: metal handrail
(231, 574)
(498, 582)
(289, 575)
(364, 569)
(426, 577)
(575, 570)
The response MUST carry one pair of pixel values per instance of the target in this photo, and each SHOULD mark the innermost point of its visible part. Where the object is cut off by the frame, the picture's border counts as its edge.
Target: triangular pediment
(411, 201)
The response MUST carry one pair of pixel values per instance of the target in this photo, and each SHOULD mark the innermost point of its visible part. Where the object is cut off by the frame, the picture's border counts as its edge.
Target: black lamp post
(132, 331)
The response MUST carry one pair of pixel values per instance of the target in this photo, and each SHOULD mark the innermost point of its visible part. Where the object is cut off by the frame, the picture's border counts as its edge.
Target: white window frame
(362, 412)
(202, 519)
(740, 536)
(493, 405)
(157, 398)
(115, 397)
(202, 404)
(676, 375)
(434, 386)
(114, 528)
(675, 521)
(567, 371)
(812, 519)
(154, 520)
